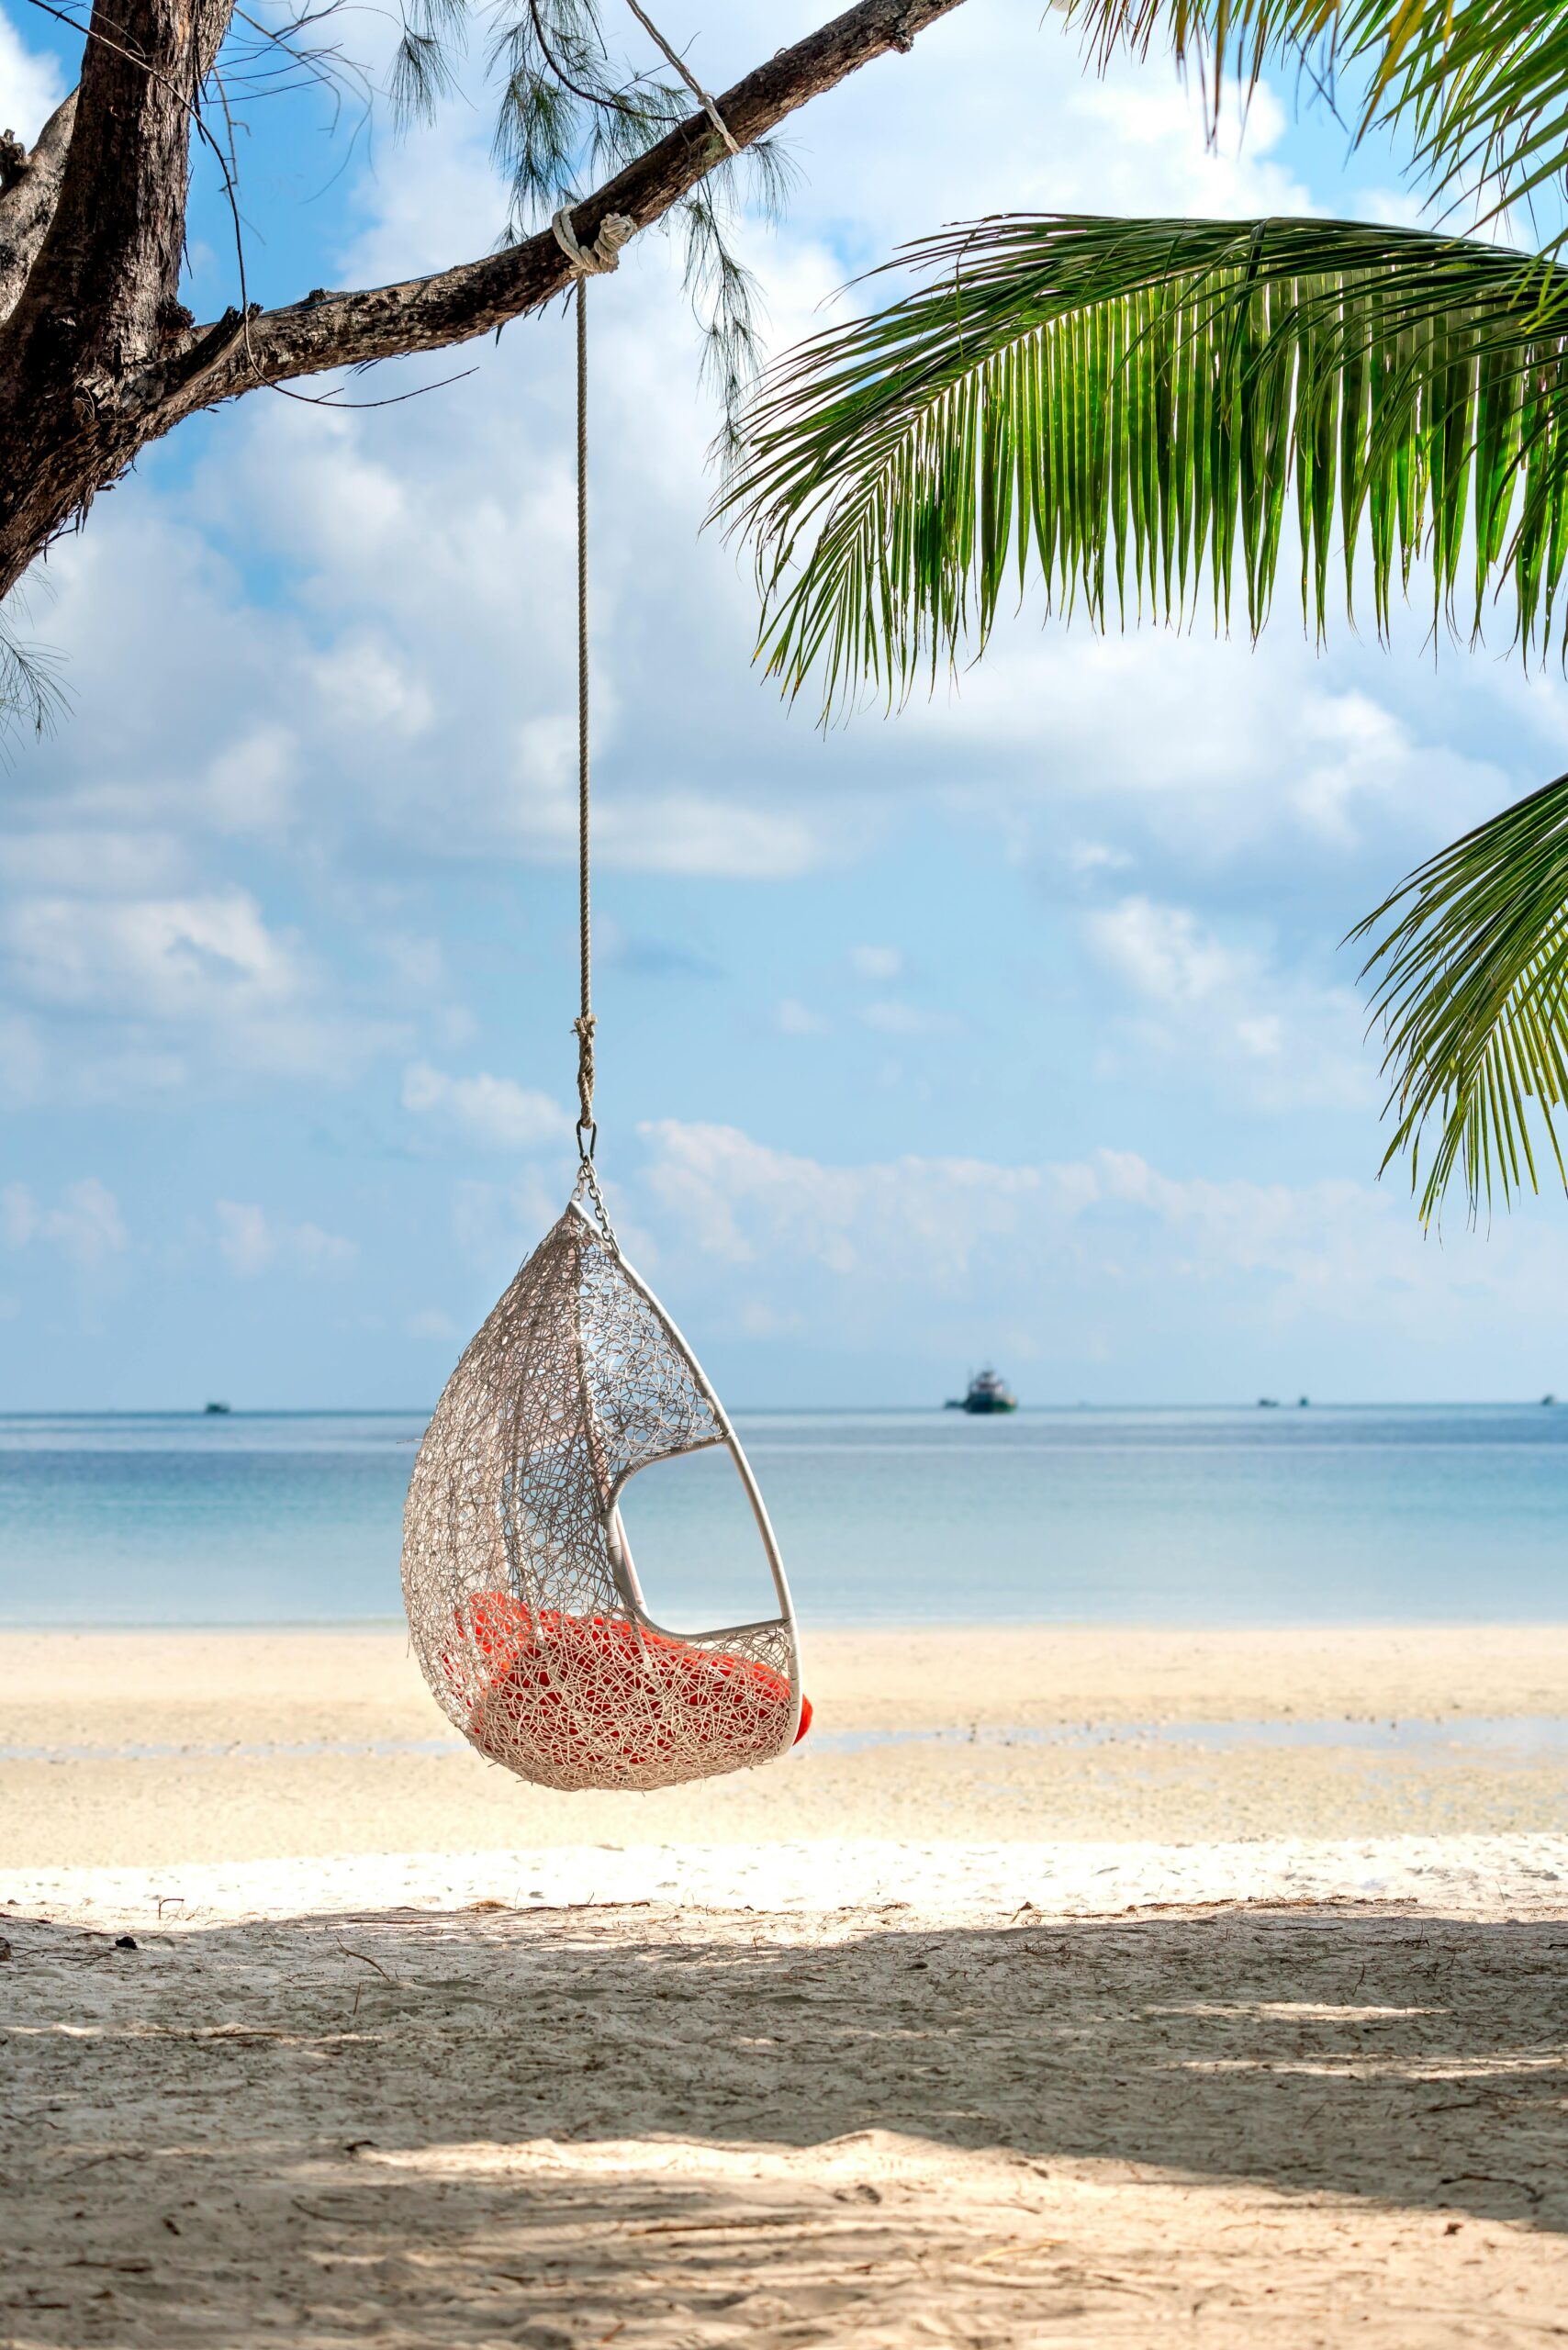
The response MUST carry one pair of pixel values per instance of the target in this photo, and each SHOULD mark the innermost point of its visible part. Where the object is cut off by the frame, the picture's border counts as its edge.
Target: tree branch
(27, 206)
(341, 330)
(106, 281)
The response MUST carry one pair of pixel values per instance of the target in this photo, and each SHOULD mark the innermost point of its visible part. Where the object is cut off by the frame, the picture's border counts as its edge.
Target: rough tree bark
(96, 356)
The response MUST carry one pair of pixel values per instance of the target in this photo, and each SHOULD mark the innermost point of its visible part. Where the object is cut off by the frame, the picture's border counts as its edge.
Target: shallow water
(1461, 1742)
(1213, 1516)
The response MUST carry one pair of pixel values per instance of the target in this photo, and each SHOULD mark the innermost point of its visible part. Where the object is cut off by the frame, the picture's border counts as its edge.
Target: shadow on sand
(636, 2125)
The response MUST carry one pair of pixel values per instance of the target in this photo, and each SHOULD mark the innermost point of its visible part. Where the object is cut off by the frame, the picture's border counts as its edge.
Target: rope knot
(582, 1029)
(591, 260)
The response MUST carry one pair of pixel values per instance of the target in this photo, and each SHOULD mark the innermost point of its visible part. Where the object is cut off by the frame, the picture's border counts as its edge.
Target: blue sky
(1014, 1027)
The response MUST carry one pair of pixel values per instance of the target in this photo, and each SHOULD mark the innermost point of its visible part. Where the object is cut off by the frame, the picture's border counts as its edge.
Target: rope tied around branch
(687, 76)
(615, 229)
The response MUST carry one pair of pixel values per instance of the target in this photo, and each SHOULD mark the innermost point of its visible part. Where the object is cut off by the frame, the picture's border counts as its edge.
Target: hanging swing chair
(522, 1596)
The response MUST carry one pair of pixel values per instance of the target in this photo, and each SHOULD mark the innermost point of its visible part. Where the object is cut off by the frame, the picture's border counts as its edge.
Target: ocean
(1330, 1514)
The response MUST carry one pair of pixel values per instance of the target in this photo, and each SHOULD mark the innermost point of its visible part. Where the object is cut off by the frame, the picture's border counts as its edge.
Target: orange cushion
(590, 1692)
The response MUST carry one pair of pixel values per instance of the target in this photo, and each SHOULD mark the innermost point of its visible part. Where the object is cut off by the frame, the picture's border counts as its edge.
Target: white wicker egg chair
(523, 1601)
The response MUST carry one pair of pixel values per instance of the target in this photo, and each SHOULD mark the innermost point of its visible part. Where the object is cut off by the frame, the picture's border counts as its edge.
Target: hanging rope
(690, 79)
(587, 1133)
(604, 255)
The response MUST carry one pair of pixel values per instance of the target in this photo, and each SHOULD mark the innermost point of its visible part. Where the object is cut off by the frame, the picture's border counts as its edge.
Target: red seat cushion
(591, 1694)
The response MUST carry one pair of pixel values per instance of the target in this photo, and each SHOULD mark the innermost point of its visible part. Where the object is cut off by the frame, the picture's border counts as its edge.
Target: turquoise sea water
(1332, 1513)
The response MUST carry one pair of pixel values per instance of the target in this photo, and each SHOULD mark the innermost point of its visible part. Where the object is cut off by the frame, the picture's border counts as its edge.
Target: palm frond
(1479, 87)
(1471, 986)
(1121, 409)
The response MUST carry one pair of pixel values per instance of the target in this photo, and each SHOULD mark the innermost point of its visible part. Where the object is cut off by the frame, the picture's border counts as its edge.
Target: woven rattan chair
(524, 1600)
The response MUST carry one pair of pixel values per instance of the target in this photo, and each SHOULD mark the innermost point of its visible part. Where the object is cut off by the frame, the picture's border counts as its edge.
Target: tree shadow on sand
(545, 2126)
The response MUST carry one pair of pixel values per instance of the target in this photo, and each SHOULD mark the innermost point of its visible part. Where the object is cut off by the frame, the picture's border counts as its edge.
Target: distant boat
(218, 1407)
(988, 1392)
(1267, 1402)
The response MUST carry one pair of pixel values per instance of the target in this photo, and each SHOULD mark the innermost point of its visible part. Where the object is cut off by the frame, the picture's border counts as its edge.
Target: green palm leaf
(1124, 414)
(1471, 980)
(1478, 88)
(1122, 408)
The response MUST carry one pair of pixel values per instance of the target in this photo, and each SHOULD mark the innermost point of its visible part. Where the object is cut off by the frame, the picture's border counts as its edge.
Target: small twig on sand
(365, 1960)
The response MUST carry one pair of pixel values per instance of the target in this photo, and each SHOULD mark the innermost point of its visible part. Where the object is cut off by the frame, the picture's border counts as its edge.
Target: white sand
(962, 2043)
(1460, 1875)
(896, 2122)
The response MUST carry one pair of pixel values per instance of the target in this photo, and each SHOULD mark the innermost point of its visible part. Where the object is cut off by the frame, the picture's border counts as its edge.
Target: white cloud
(159, 957)
(94, 861)
(250, 784)
(740, 1200)
(86, 1227)
(1093, 1259)
(432, 1324)
(793, 1019)
(895, 1019)
(1354, 749)
(251, 1242)
(882, 964)
(18, 1214)
(491, 1113)
(1277, 1039)
(994, 110)
(688, 831)
(1161, 951)
(363, 684)
(31, 84)
(495, 1224)
(1095, 857)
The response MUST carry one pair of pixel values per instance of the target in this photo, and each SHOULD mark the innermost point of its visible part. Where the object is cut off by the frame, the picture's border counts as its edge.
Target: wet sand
(125, 1749)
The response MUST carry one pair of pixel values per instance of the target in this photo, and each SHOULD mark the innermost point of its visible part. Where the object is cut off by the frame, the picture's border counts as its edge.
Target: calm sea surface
(1213, 1517)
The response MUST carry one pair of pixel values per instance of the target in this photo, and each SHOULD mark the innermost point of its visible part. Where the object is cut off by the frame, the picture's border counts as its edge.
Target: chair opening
(695, 1544)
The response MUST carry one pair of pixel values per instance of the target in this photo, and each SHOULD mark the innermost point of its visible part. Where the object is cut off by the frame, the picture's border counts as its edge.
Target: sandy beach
(138, 1747)
(1068, 1987)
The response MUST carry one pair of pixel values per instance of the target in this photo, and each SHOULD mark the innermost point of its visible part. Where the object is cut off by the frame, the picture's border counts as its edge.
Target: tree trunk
(96, 356)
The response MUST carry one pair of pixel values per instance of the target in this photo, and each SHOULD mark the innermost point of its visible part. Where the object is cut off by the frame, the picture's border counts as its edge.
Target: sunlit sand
(1066, 1986)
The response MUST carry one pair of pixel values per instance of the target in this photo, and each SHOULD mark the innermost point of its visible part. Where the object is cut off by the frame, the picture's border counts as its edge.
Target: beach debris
(126, 1941)
(365, 1960)
(5, 1949)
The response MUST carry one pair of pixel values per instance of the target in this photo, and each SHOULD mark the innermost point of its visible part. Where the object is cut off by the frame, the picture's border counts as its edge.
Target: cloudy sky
(1013, 1026)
